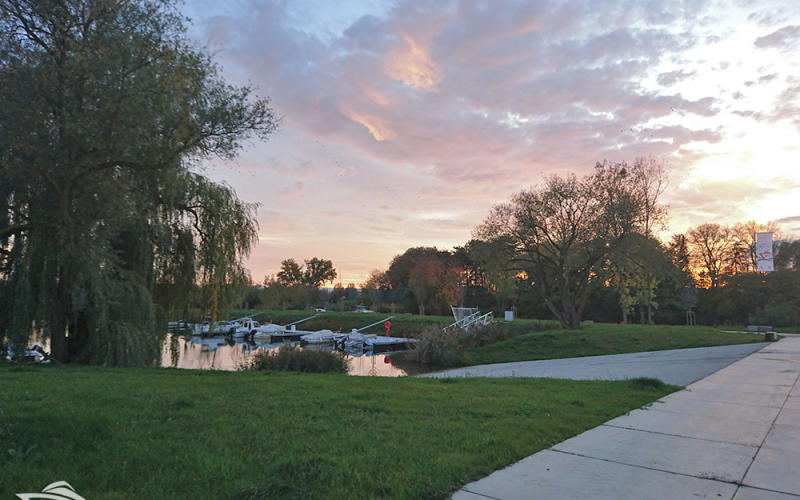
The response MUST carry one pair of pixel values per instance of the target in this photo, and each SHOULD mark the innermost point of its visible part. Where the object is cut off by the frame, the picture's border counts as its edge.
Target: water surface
(221, 353)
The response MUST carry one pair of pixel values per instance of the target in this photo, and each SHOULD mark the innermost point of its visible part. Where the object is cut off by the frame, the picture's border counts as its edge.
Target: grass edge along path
(163, 433)
(601, 339)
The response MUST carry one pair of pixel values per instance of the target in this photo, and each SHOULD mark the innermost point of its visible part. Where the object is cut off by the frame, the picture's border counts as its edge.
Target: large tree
(563, 231)
(105, 107)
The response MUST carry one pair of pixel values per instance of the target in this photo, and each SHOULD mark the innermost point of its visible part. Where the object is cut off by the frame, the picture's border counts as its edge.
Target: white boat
(353, 341)
(329, 337)
(273, 328)
(211, 328)
(35, 354)
(321, 337)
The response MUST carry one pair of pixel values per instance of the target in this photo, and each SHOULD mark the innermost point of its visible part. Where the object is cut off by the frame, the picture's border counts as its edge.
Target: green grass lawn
(162, 433)
(602, 338)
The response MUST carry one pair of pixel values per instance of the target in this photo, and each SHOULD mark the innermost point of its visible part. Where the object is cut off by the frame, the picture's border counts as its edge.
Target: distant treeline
(577, 248)
(739, 295)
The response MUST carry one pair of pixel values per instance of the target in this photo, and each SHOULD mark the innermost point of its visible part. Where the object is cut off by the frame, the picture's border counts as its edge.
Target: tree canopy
(106, 107)
(562, 231)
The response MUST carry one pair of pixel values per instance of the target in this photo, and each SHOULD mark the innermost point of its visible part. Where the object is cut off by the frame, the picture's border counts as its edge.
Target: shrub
(444, 348)
(439, 348)
(295, 359)
(780, 314)
(488, 333)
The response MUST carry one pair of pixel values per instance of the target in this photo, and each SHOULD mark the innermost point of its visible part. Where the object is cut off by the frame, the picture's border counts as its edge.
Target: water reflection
(221, 353)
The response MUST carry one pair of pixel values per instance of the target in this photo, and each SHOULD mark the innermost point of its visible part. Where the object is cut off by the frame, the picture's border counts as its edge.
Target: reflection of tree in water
(372, 371)
(173, 350)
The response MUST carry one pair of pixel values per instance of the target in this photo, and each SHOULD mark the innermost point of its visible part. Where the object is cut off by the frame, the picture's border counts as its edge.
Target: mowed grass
(600, 339)
(163, 433)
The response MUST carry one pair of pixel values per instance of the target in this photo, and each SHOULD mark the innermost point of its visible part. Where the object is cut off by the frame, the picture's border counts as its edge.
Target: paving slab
(710, 460)
(555, 475)
(729, 396)
(789, 416)
(717, 409)
(747, 493)
(793, 403)
(693, 426)
(776, 470)
(721, 382)
(675, 366)
(758, 370)
(784, 437)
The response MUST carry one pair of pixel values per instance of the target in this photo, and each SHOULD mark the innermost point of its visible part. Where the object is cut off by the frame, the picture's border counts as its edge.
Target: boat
(34, 354)
(274, 329)
(329, 337)
(352, 341)
(210, 328)
(320, 337)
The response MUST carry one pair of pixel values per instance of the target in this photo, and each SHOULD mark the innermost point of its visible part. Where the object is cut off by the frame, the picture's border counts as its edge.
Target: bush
(445, 348)
(439, 348)
(489, 333)
(295, 359)
(780, 314)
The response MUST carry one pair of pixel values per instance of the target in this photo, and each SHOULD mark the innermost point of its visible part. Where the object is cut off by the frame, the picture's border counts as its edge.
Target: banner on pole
(764, 253)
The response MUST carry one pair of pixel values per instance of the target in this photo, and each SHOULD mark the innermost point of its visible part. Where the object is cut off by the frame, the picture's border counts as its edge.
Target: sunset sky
(404, 122)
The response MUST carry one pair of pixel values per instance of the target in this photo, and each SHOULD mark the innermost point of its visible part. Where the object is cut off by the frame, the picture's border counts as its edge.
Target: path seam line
(771, 427)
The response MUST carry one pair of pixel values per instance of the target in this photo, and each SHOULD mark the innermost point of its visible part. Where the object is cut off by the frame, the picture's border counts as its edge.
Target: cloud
(673, 77)
(430, 105)
(409, 61)
(784, 38)
(768, 78)
(433, 84)
(294, 190)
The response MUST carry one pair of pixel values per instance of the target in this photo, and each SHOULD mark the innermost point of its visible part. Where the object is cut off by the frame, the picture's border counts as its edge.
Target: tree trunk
(568, 306)
(58, 332)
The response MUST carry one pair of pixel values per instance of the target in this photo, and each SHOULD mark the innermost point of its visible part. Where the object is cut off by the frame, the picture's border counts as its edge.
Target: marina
(230, 354)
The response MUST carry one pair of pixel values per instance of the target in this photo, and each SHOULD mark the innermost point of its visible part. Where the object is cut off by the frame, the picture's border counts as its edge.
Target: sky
(404, 122)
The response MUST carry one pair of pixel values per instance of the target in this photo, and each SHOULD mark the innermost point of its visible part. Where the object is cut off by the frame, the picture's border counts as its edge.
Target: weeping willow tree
(104, 108)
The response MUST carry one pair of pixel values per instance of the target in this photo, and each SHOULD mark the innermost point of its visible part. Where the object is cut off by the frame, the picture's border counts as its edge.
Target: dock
(384, 344)
(288, 336)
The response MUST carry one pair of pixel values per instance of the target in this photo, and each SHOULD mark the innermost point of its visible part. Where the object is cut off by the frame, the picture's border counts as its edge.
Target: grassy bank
(158, 433)
(600, 339)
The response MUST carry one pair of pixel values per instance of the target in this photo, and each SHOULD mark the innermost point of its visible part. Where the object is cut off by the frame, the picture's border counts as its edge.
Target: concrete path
(677, 366)
(733, 435)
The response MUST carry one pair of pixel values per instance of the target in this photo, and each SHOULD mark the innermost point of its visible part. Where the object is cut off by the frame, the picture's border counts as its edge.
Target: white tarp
(764, 252)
